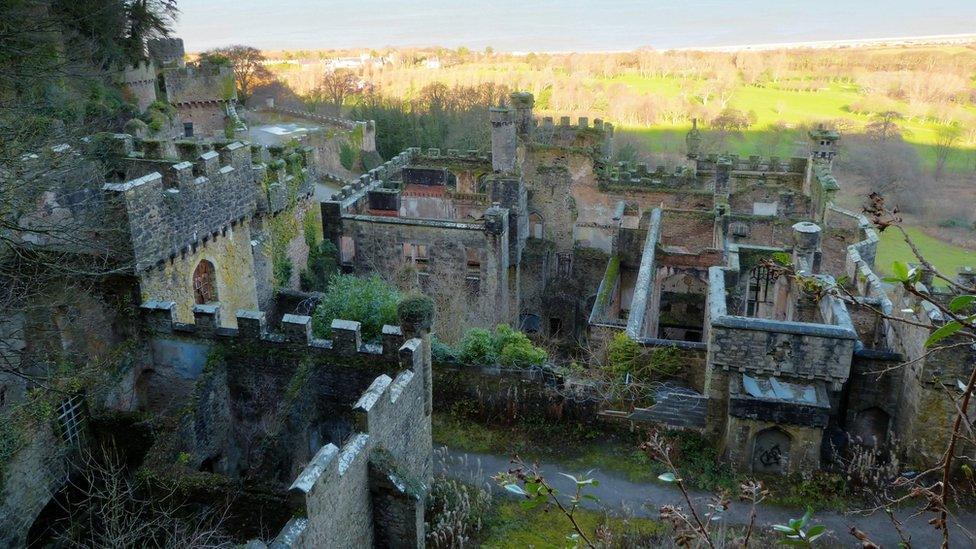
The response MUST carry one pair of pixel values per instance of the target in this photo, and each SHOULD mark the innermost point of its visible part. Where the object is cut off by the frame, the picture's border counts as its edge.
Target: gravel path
(644, 499)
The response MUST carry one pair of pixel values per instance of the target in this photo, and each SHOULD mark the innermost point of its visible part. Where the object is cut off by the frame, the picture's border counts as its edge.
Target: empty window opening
(536, 227)
(417, 255)
(759, 297)
(205, 283)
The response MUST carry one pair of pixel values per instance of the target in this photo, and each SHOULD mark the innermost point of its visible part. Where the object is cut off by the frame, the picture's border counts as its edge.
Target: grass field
(945, 257)
(511, 527)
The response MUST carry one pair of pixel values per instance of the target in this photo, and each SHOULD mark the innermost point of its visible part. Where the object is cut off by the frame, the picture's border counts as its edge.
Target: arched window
(205, 283)
(535, 225)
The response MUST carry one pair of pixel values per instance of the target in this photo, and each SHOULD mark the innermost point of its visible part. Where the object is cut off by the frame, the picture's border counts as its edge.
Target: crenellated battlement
(470, 156)
(171, 210)
(159, 318)
(353, 194)
(638, 175)
(754, 163)
(582, 123)
(185, 193)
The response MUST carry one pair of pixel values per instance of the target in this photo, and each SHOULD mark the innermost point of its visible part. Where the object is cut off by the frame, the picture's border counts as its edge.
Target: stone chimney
(523, 102)
(806, 247)
(503, 139)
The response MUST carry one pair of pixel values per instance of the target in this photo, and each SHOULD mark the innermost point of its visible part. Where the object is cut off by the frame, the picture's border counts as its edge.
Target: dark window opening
(565, 264)
(555, 326)
(205, 283)
(188, 129)
(760, 293)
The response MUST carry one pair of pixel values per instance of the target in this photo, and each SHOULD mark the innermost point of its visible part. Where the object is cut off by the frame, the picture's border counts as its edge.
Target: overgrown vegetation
(369, 300)
(504, 346)
(626, 357)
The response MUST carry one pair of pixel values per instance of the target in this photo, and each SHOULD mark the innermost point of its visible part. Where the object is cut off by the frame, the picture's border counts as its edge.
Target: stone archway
(204, 283)
(870, 427)
(536, 225)
(771, 451)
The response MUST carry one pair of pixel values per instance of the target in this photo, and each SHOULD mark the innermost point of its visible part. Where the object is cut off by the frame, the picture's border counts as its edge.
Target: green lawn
(946, 257)
(511, 527)
(772, 105)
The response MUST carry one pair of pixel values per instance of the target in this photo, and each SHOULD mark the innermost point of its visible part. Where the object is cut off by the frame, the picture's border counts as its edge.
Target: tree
(107, 508)
(335, 86)
(147, 19)
(884, 126)
(946, 138)
(249, 71)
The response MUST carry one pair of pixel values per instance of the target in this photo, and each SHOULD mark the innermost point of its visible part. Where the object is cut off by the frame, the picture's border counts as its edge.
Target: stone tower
(824, 144)
(503, 139)
(522, 102)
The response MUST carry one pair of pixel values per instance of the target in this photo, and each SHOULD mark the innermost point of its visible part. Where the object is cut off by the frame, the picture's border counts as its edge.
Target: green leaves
(902, 273)
(782, 258)
(796, 533)
(901, 270)
(961, 302)
(945, 331)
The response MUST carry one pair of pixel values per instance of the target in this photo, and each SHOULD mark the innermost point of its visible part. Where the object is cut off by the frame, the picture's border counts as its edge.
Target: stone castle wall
(356, 490)
(230, 253)
(140, 81)
(200, 84)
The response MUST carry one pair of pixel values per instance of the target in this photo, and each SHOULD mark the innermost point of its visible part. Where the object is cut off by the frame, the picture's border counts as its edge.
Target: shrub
(370, 301)
(347, 156)
(417, 311)
(442, 352)
(626, 356)
(323, 264)
(505, 346)
(478, 347)
(282, 269)
(515, 350)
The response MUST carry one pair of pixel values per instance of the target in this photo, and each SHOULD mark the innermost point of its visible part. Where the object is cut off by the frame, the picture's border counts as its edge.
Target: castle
(551, 236)
(545, 232)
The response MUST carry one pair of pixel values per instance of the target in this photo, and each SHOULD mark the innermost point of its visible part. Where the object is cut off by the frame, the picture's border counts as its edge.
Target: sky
(559, 25)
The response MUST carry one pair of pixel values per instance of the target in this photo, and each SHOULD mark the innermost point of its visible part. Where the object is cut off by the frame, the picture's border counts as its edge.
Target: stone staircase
(674, 406)
(239, 125)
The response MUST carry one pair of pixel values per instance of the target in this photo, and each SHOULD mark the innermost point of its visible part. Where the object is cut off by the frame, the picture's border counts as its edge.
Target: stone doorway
(771, 451)
(870, 427)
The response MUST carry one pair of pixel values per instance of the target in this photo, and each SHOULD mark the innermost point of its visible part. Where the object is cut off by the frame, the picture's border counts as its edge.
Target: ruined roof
(773, 388)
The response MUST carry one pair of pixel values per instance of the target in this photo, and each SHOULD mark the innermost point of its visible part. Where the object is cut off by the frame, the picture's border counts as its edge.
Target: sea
(560, 25)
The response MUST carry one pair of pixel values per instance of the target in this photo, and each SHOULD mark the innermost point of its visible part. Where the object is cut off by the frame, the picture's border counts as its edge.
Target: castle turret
(522, 102)
(824, 144)
(503, 139)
